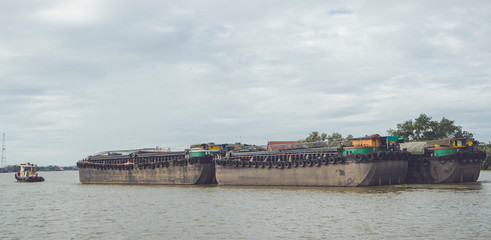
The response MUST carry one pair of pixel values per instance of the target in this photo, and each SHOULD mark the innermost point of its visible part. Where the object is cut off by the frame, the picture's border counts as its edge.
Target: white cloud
(71, 12)
(81, 77)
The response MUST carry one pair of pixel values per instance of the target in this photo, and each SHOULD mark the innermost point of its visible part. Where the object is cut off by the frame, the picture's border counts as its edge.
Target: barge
(368, 161)
(444, 161)
(147, 167)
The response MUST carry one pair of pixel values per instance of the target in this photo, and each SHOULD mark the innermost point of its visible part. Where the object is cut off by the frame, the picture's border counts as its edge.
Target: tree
(335, 137)
(423, 128)
(334, 140)
(486, 164)
(314, 137)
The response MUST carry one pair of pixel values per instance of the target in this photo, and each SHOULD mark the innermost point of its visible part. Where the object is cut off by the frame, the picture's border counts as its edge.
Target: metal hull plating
(148, 168)
(431, 170)
(199, 173)
(347, 174)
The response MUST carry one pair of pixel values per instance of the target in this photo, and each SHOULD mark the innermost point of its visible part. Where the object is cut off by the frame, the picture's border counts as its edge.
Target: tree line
(423, 128)
(334, 140)
(16, 168)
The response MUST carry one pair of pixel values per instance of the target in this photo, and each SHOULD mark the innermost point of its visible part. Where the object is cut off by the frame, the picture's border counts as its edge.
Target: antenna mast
(3, 162)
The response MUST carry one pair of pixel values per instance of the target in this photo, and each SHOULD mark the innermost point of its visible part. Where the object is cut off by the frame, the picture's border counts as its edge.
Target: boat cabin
(27, 170)
(449, 145)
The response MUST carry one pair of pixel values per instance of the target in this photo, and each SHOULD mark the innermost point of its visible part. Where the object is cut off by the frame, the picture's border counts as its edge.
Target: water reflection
(467, 187)
(475, 186)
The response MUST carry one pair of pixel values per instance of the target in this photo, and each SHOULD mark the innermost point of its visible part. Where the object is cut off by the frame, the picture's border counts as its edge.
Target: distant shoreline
(50, 168)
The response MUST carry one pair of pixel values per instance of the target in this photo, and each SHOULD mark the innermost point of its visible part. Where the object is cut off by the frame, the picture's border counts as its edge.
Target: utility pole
(3, 162)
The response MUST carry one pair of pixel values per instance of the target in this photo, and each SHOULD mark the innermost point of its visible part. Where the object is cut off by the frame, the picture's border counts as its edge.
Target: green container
(391, 139)
(443, 152)
(199, 153)
(360, 150)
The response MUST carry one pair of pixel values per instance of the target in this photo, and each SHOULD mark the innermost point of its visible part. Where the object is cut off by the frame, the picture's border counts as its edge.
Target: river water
(63, 208)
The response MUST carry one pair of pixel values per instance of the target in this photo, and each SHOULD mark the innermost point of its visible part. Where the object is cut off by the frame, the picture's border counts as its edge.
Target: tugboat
(28, 173)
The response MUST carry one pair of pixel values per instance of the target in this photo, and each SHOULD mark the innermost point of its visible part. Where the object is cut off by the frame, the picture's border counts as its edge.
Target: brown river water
(63, 208)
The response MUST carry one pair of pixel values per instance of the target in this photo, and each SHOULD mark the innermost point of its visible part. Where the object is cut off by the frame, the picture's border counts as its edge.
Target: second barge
(372, 160)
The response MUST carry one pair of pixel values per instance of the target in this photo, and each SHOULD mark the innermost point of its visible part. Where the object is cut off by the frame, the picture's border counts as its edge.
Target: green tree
(423, 128)
(334, 140)
(486, 164)
(335, 137)
(315, 137)
(337, 140)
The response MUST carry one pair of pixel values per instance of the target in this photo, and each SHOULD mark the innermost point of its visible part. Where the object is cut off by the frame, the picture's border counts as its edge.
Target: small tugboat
(28, 173)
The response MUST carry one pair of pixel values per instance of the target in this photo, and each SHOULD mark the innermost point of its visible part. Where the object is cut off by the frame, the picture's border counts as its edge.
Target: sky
(81, 77)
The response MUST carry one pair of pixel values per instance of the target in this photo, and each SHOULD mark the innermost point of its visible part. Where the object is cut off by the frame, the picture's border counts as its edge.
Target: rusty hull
(431, 170)
(199, 173)
(347, 174)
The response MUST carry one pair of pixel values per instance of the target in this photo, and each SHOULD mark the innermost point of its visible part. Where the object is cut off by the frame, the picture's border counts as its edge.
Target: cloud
(339, 11)
(73, 12)
(82, 77)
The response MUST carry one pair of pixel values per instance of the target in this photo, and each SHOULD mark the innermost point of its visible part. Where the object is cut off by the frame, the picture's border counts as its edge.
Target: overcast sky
(80, 77)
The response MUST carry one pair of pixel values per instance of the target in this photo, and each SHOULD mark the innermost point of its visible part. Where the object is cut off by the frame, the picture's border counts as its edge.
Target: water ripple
(62, 208)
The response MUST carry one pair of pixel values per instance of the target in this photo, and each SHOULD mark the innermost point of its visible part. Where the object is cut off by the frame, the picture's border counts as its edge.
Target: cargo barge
(147, 167)
(368, 161)
(444, 161)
